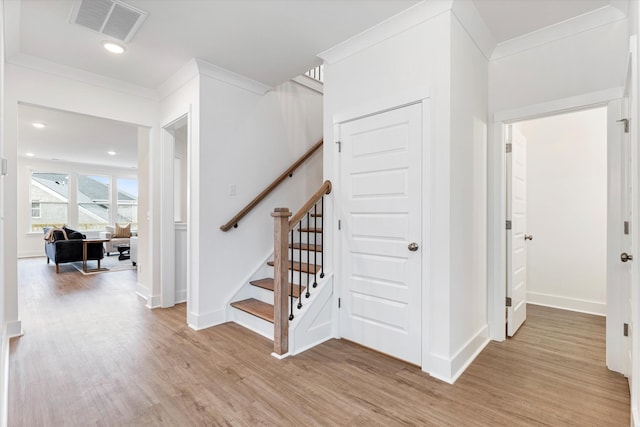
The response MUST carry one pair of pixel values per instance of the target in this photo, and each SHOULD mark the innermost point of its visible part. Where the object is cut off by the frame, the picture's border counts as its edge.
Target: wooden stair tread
(306, 247)
(318, 215)
(304, 267)
(310, 230)
(255, 307)
(268, 283)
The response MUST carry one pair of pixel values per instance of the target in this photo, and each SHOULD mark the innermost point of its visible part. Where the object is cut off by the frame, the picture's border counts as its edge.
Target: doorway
(579, 199)
(175, 164)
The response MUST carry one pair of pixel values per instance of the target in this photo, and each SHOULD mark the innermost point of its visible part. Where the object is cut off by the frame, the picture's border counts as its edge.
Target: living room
(74, 170)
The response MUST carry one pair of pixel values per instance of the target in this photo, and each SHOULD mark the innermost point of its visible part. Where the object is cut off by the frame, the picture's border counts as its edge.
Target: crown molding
(181, 77)
(12, 11)
(391, 27)
(234, 79)
(71, 73)
(615, 11)
(472, 22)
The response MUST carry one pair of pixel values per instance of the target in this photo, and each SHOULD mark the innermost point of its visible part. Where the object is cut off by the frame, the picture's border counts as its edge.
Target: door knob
(624, 257)
(413, 247)
(528, 237)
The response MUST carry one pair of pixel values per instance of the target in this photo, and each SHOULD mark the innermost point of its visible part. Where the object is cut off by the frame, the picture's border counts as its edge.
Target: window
(35, 210)
(94, 195)
(127, 201)
(49, 194)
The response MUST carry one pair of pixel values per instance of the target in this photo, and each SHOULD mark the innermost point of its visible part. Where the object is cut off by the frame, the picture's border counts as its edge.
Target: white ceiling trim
(86, 77)
(395, 25)
(229, 77)
(587, 21)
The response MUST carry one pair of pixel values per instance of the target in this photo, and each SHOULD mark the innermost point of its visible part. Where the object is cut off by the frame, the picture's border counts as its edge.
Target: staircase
(271, 302)
(304, 268)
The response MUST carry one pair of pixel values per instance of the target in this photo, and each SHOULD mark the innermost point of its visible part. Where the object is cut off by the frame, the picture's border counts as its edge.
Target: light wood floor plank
(93, 354)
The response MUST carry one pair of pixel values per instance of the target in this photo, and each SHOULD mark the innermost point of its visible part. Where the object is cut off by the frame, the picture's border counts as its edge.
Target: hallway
(93, 354)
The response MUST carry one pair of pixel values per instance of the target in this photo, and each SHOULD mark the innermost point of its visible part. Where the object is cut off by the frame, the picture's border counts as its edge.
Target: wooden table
(85, 242)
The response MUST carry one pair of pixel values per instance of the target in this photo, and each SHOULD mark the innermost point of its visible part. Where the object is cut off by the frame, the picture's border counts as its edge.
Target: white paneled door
(381, 196)
(516, 236)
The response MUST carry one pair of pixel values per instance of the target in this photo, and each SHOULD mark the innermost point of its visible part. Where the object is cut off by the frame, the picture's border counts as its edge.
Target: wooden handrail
(234, 221)
(325, 188)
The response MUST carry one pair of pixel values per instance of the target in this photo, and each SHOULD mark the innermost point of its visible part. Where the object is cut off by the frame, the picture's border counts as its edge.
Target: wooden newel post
(281, 268)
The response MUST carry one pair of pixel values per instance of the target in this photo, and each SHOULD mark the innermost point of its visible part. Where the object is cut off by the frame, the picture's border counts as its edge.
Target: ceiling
(76, 138)
(270, 41)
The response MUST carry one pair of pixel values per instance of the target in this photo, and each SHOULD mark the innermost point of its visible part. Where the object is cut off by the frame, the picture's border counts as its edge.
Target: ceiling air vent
(110, 17)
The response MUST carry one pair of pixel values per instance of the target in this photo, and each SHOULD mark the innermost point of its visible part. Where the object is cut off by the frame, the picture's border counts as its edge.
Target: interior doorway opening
(578, 194)
(81, 172)
(175, 165)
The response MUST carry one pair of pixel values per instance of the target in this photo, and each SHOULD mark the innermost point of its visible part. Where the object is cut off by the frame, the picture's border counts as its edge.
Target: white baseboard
(14, 329)
(32, 254)
(565, 303)
(206, 320)
(450, 369)
(142, 291)
(181, 296)
(154, 301)
(9, 330)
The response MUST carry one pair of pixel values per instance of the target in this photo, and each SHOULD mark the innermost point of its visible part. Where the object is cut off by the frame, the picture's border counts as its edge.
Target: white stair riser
(252, 322)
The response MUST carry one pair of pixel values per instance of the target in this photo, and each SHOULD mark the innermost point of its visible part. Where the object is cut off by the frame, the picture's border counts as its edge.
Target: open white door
(380, 213)
(516, 229)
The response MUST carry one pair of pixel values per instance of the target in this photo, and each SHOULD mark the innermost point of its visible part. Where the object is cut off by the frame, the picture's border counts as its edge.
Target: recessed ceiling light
(38, 125)
(113, 47)
(30, 154)
(111, 153)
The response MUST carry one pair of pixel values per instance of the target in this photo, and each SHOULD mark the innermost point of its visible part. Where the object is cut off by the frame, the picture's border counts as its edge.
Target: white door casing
(380, 175)
(627, 222)
(516, 243)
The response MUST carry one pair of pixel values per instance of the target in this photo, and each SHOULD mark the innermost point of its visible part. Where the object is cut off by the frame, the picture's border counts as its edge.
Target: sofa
(65, 245)
(114, 242)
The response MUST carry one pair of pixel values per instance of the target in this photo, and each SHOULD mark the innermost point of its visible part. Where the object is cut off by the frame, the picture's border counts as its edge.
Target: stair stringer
(312, 324)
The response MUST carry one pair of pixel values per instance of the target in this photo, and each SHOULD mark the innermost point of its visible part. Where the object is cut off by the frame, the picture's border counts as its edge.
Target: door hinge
(339, 146)
(625, 329)
(508, 225)
(509, 147)
(339, 225)
(626, 227)
(339, 302)
(626, 124)
(508, 302)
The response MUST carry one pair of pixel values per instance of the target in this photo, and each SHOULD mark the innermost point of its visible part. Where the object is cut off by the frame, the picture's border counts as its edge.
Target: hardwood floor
(92, 354)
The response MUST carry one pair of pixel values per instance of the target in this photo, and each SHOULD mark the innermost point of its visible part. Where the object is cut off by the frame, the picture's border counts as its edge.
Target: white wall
(435, 57)
(32, 243)
(587, 62)
(567, 210)
(469, 101)
(28, 85)
(4, 341)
